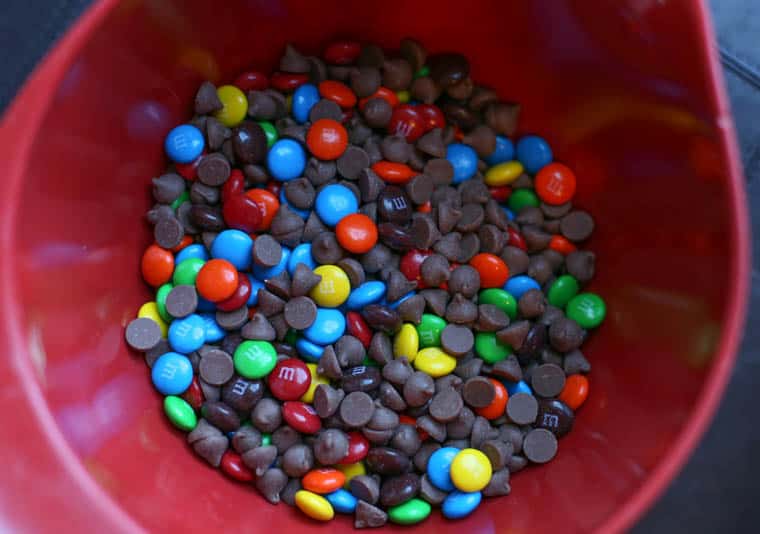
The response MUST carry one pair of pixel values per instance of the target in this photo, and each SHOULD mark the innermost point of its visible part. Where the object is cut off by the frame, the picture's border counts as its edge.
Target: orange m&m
(157, 265)
(555, 184)
(560, 244)
(498, 404)
(267, 203)
(575, 391)
(394, 173)
(491, 268)
(217, 280)
(327, 139)
(325, 480)
(356, 233)
(338, 92)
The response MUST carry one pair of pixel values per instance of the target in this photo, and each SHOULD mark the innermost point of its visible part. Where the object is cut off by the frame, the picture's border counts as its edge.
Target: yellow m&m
(407, 342)
(434, 362)
(313, 505)
(470, 470)
(235, 105)
(333, 289)
(316, 379)
(503, 173)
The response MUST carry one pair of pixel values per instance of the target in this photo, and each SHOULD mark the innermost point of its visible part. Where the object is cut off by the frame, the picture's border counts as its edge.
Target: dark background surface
(719, 489)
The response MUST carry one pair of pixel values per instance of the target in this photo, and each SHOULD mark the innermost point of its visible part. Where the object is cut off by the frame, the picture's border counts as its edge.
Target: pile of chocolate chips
(454, 221)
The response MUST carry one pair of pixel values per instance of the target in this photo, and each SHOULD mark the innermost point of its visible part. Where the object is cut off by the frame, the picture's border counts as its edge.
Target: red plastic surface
(629, 95)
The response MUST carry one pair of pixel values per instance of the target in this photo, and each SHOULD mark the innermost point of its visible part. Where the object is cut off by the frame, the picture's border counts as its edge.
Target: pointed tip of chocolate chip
(411, 309)
(259, 328)
(398, 285)
(303, 280)
(432, 143)
(279, 285)
(269, 303)
(329, 365)
(206, 99)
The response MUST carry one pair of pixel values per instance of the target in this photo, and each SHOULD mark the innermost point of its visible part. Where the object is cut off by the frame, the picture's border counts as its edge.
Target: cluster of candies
(368, 299)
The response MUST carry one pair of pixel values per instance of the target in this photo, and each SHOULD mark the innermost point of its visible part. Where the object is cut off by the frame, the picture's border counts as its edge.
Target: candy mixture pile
(367, 297)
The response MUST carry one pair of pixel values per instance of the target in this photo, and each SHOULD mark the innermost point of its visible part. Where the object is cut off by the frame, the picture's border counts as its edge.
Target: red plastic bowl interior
(629, 95)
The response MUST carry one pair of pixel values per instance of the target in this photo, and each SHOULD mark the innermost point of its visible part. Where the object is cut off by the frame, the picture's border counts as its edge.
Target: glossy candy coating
(184, 143)
(335, 202)
(333, 289)
(470, 470)
(172, 373)
(254, 358)
(327, 328)
(286, 160)
(464, 159)
(327, 139)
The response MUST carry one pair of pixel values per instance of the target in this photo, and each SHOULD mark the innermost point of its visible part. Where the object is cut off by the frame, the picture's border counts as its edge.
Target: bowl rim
(18, 127)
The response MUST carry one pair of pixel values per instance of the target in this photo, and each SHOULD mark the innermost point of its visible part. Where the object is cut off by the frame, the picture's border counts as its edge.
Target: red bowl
(628, 93)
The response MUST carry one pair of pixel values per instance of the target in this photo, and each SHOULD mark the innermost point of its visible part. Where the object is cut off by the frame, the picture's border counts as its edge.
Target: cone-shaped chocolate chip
(377, 258)
(303, 280)
(531, 304)
(431, 143)
(461, 310)
(300, 312)
(581, 265)
(293, 61)
(329, 365)
(435, 270)
(260, 459)
(380, 348)
(436, 300)
(576, 362)
(168, 187)
(482, 139)
(411, 309)
(516, 259)
(206, 99)
(326, 400)
(269, 303)
(280, 284)
(314, 226)
(398, 286)
(514, 335)
(502, 117)
(271, 483)
(397, 74)
(424, 89)
(465, 280)
(509, 369)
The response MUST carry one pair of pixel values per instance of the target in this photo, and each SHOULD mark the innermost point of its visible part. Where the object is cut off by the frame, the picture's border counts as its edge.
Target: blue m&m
(534, 153)
(335, 202)
(517, 286)
(184, 143)
(301, 254)
(439, 468)
(286, 160)
(172, 373)
(459, 504)
(235, 246)
(309, 351)
(187, 334)
(368, 293)
(342, 501)
(504, 151)
(196, 250)
(327, 328)
(304, 99)
(464, 159)
(214, 332)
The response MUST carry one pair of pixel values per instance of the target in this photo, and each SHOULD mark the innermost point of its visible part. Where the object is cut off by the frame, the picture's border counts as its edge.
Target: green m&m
(501, 299)
(491, 349)
(522, 198)
(186, 272)
(411, 512)
(161, 302)
(269, 131)
(254, 358)
(180, 413)
(429, 330)
(562, 290)
(586, 309)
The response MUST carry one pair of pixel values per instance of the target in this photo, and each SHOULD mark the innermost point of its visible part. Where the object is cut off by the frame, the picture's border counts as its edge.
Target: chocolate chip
(565, 335)
(326, 400)
(161, 348)
(220, 415)
(491, 318)
(540, 269)
(418, 389)
(522, 408)
(143, 334)
(266, 415)
(390, 397)
(436, 300)
(208, 442)
(478, 392)
(279, 285)
(436, 430)
(303, 280)
(300, 193)
(446, 405)
(298, 460)
(232, 320)
(246, 438)
(540, 446)
(377, 112)
(168, 187)
(468, 368)
(242, 394)
(448, 217)
(284, 438)
(535, 341)
(293, 61)
(216, 367)
(406, 439)
(203, 194)
(581, 265)
(397, 74)
(440, 170)
(271, 483)
(481, 432)
(163, 211)
(530, 216)
(577, 226)
(424, 231)
(430, 493)
(258, 328)
(508, 368)
(468, 247)
(502, 117)
(448, 69)
(356, 409)
(531, 304)
(330, 446)
(496, 216)
(424, 89)
(498, 485)
(461, 310)
(465, 280)
(434, 270)
(317, 70)
(300, 313)
(168, 232)
(350, 351)
(413, 52)
(514, 335)
(288, 493)
(535, 239)
(287, 227)
(328, 364)
(211, 393)
(457, 340)
(365, 487)
(380, 348)
(325, 249)
(556, 212)
(482, 139)
(398, 286)
(498, 453)
(260, 459)
(575, 362)
(555, 416)
(206, 99)
(266, 251)
(395, 148)
(548, 380)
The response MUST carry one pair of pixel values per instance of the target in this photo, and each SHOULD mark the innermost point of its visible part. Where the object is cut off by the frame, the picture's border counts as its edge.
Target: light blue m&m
(253, 299)
(464, 159)
(286, 160)
(214, 332)
(534, 153)
(304, 99)
(518, 285)
(459, 504)
(184, 143)
(301, 254)
(311, 352)
(187, 334)
(342, 501)
(196, 250)
(172, 373)
(327, 328)
(234, 246)
(367, 293)
(335, 202)
(504, 151)
(439, 468)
